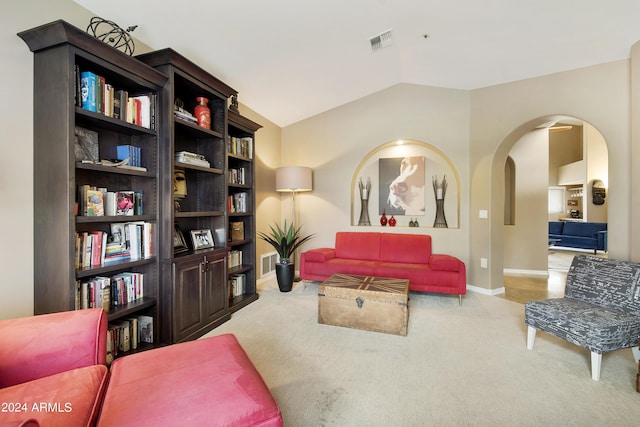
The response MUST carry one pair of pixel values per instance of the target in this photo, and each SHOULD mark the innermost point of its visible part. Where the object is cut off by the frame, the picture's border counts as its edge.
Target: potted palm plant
(285, 240)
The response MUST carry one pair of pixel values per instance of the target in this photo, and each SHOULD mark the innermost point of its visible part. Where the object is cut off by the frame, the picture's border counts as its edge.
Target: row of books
(237, 176)
(131, 240)
(237, 284)
(93, 201)
(237, 203)
(240, 146)
(131, 153)
(106, 292)
(235, 258)
(127, 334)
(95, 94)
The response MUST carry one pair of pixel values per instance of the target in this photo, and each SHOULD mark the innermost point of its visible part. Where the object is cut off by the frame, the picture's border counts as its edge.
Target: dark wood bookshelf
(60, 52)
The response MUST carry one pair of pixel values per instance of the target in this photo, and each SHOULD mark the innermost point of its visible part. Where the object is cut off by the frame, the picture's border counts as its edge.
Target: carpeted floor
(458, 366)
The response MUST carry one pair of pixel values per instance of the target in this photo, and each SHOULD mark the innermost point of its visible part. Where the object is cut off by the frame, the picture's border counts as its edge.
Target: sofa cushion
(609, 283)
(320, 255)
(583, 229)
(408, 248)
(70, 398)
(555, 227)
(584, 324)
(207, 382)
(362, 246)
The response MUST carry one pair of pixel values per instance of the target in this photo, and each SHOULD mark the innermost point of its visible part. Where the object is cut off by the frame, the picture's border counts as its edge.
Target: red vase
(203, 113)
(392, 221)
(383, 219)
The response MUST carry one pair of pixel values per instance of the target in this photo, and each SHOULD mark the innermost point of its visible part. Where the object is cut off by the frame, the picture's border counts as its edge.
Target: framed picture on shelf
(179, 244)
(201, 239)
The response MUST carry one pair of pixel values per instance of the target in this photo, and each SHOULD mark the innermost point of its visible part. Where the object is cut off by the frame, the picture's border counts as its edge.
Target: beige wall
(525, 242)
(334, 143)
(16, 144)
(500, 115)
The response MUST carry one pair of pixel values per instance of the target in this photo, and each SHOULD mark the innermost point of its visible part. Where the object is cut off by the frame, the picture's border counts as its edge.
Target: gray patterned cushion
(601, 307)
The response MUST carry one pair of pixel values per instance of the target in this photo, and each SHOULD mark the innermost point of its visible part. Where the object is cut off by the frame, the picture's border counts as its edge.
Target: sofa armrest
(319, 255)
(38, 346)
(445, 262)
(602, 240)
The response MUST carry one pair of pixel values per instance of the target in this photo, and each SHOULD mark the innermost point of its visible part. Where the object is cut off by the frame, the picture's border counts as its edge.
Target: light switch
(484, 214)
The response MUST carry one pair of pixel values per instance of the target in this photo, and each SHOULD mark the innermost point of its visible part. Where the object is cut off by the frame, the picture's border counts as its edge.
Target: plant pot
(285, 273)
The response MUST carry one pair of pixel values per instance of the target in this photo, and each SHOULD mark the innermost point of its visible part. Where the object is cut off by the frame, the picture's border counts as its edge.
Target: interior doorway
(535, 163)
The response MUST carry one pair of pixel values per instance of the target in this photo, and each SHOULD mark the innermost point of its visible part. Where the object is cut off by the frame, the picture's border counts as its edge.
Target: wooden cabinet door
(215, 300)
(187, 296)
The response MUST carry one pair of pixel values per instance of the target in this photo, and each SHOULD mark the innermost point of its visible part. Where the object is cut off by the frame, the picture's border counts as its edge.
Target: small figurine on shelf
(234, 104)
(202, 112)
(383, 218)
(392, 221)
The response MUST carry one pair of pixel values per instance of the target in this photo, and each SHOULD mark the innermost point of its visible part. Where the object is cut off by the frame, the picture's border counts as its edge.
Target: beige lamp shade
(294, 178)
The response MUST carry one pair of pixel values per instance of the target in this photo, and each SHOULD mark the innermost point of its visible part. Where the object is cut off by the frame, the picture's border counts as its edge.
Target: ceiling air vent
(381, 40)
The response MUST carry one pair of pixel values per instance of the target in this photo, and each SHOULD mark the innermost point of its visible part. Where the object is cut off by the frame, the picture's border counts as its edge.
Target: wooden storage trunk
(363, 302)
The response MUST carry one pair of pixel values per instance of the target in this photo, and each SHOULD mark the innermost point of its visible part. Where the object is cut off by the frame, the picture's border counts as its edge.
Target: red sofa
(403, 256)
(53, 373)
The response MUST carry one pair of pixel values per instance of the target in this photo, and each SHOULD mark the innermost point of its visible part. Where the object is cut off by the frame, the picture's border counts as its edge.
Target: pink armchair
(53, 373)
(52, 368)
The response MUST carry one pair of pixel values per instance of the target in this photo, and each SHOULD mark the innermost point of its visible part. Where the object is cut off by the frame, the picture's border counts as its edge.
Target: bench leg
(460, 300)
(531, 337)
(596, 363)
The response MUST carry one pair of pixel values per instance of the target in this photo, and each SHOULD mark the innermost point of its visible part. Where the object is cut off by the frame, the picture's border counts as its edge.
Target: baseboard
(530, 273)
(484, 291)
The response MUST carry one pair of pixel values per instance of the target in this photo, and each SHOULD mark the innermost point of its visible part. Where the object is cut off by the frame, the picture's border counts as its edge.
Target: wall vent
(381, 40)
(268, 263)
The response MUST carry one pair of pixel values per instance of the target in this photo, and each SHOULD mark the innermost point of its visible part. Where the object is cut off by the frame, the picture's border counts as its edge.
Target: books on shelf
(237, 203)
(237, 176)
(191, 159)
(183, 114)
(98, 95)
(130, 153)
(127, 334)
(106, 292)
(240, 146)
(235, 258)
(237, 284)
(127, 241)
(94, 201)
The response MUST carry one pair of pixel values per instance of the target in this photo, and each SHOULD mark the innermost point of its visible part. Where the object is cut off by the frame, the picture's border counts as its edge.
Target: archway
(531, 141)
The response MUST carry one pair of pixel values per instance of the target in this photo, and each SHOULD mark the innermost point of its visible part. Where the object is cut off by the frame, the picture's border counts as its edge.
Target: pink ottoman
(207, 382)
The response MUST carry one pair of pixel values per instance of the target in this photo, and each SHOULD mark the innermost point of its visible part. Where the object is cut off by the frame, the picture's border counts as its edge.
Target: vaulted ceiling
(292, 59)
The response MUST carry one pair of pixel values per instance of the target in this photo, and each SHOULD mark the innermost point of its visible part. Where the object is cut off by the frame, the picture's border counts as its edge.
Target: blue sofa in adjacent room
(581, 235)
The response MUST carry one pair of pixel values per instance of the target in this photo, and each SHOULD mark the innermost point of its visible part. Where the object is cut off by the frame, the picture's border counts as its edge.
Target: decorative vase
(285, 274)
(392, 221)
(203, 113)
(364, 201)
(383, 219)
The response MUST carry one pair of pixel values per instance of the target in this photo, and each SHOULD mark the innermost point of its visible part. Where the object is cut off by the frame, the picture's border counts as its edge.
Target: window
(556, 199)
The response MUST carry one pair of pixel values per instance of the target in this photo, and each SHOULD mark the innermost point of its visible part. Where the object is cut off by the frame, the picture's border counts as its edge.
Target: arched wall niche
(382, 165)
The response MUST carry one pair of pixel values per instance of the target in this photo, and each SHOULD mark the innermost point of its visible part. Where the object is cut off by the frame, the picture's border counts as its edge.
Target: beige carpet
(458, 366)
